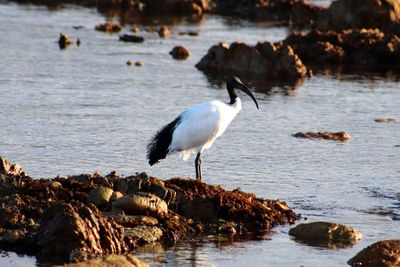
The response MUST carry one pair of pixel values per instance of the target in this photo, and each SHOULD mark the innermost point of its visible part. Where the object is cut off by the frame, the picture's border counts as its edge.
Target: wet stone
(131, 38)
(179, 53)
(335, 136)
(325, 234)
(109, 27)
(385, 253)
(64, 41)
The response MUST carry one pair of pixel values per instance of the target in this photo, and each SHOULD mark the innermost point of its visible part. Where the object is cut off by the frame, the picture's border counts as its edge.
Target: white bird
(196, 129)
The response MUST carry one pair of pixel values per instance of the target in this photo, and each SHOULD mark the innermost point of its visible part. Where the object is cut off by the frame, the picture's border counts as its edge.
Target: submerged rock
(325, 234)
(131, 38)
(180, 53)
(109, 27)
(266, 59)
(382, 253)
(110, 260)
(338, 136)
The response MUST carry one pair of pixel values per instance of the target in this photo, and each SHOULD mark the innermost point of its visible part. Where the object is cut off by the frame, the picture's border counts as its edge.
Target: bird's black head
(234, 82)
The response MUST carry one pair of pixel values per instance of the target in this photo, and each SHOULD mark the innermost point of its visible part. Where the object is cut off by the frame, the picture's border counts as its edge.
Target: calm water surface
(83, 109)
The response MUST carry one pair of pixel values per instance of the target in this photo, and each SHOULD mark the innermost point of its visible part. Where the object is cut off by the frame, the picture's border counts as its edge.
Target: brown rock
(134, 220)
(338, 136)
(164, 32)
(66, 228)
(64, 41)
(110, 260)
(180, 53)
(7, 167)
(109, 27)
(129, 62)
(139, 63)
(272, 60)
(385, 120)
(100, 196)
(321, 233)
(359, 14)
(142, 204)
(384, 253)
(144, 234)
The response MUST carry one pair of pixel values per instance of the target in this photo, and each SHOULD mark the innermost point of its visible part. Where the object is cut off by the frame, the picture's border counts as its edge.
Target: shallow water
(83, 109)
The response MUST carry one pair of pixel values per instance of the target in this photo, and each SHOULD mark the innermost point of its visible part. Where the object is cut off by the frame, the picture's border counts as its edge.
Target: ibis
(196, 129)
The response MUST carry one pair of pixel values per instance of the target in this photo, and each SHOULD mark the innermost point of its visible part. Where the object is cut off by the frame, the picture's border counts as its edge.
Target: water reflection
(258, 83)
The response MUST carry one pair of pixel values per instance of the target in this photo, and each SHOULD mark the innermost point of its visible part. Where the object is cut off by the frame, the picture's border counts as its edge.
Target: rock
(287, 12)
(264, 59)
(359, 14)
(164, 32)
(129, 63)
(322, 233)
(338, 136)
(110, 260)
(139, 63)
(363, 47)
(100, 196)
(180, 53)
(142, 204)
(64, 41)
(78, 42)
(12, 236)
(134, 220)
(65, 228)
(382, 253)
(186, 7)
(109, 27)
(115, 195)
(190, 33)
(131, 38)
(144, 234)
(7, 167)
(385, 120)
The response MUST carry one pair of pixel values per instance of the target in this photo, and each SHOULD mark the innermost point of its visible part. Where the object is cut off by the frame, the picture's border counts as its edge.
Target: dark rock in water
(109, 27)
(64, 41)
(357, 47)
(54, 219)
(65, 228)
(180, 53)
(131, 38)
(385, 253)
(325, 234)
(385, 120)
(266, 59)
(338, 136)
(361, 14)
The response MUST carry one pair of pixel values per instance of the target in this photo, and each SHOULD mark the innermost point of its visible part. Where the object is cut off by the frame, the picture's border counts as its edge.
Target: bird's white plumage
(200, 125)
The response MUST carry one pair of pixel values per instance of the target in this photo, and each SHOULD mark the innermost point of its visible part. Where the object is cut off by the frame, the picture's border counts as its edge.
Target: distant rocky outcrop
(265, 59)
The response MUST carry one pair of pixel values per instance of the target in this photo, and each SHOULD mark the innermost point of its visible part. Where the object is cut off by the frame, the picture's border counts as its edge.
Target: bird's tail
(158, 147)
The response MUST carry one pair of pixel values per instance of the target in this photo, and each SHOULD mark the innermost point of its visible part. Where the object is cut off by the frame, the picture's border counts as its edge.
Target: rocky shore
(78, 217)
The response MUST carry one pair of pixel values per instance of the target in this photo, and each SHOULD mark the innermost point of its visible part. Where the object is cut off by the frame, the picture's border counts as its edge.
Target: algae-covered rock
(325, 233)
(385, 253)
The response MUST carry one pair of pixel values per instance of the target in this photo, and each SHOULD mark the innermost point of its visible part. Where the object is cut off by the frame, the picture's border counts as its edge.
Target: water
(83, 109)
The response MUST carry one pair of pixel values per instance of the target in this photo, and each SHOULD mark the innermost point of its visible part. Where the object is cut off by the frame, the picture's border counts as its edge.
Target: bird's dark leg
(197, 163)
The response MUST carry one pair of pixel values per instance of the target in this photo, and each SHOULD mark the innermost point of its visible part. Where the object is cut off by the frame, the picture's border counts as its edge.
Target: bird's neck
(232, 96)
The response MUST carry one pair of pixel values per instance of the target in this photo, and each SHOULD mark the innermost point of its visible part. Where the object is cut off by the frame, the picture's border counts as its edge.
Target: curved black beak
(244, 88)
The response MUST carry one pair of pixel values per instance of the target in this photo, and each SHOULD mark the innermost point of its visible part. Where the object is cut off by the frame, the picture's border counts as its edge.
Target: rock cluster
(266, 59)
(73, 218)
